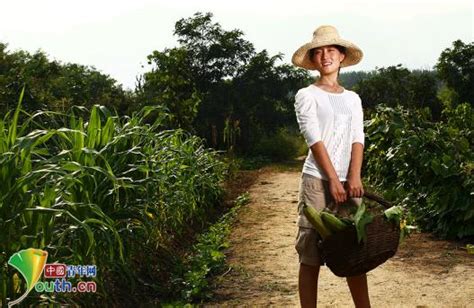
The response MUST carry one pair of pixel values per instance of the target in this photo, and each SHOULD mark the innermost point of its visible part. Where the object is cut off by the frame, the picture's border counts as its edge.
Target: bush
(426, 166)
(207, 259)
(283, 145)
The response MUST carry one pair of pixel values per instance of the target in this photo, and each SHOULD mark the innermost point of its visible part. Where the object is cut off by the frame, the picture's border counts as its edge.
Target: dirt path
(263, 263)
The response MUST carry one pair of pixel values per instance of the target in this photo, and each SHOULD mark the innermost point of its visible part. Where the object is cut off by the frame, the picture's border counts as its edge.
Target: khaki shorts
(314, 192)
(307, 247)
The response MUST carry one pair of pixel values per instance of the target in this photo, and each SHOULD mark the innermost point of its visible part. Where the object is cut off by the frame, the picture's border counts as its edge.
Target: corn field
(91, 187)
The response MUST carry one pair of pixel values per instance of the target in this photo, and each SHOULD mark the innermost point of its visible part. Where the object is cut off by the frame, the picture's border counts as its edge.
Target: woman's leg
(359, 290)
(314, 192)
(310, 262)
(308, 285)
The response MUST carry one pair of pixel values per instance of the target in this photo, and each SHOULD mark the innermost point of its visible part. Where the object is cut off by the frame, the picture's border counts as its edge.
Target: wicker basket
(346, 257)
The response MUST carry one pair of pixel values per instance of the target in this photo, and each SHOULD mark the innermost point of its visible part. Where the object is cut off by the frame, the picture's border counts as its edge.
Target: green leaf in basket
(394, 214)
(361, 219)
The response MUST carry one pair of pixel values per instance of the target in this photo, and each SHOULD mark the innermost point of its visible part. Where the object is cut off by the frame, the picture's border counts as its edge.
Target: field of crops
(94, 188)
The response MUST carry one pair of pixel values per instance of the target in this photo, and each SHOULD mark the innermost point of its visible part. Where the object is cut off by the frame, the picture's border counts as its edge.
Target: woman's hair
(341, 49)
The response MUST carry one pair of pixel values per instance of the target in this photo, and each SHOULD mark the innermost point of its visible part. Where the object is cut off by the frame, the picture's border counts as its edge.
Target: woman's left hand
(354, 187)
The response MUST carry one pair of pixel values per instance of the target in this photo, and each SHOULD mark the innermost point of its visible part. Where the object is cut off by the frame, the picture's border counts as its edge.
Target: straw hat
(324, 36)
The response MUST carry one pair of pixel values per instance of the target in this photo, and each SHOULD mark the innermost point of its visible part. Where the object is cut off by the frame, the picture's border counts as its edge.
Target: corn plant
(95, 188)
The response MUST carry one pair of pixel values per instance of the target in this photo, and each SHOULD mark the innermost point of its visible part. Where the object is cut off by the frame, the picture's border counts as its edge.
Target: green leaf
(361, 218)
(13, 126)
(394, 214)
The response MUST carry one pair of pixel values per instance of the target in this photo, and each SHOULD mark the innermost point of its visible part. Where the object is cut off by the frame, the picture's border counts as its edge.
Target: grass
(207, 259)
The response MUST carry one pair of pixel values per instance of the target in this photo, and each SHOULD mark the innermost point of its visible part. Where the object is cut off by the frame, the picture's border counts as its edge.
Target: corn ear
(332, 222)
(315, 219)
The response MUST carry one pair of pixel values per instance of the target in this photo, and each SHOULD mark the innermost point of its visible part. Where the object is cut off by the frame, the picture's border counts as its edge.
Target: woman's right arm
(321, 156)
(307, 117)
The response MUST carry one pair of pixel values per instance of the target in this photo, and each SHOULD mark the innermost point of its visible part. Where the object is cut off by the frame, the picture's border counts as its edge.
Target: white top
(336, 119)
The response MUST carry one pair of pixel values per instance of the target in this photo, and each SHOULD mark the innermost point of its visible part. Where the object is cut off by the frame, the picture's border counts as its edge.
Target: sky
(115, 37)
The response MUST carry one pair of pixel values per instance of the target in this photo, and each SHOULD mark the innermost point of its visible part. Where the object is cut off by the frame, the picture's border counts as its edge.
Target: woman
(330, 118)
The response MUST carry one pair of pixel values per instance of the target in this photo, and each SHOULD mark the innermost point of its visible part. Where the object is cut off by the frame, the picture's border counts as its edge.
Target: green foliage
(216, 84)
(456, 68)
(425, 166)
(263, 98)
(283, 145)
(171, 84)
(216, 53)
(51, 85)
(394, 214)
(349, 79)
(207, 258)
(101, 192)
(252, 162)
(397, 86)
(361, 219)
(183, 78)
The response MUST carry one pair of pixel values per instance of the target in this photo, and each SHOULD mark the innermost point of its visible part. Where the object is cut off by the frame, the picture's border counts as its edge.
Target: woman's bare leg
(359, 290)
(308, 285)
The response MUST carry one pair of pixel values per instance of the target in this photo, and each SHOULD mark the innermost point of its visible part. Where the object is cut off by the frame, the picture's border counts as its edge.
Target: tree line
(215, 84)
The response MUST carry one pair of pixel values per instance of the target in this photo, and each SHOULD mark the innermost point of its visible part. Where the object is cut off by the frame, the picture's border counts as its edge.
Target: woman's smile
(327, 58)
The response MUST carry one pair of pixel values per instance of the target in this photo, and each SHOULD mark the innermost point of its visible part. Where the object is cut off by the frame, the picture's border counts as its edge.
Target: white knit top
(336, 119)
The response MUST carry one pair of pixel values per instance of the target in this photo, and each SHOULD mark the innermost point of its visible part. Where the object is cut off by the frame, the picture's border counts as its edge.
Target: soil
(263, 264)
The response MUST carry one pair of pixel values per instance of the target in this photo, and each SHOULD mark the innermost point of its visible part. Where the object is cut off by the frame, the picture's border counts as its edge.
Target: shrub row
(427, 166)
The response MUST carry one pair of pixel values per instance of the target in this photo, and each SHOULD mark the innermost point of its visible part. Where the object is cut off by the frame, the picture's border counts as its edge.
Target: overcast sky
(116, 36)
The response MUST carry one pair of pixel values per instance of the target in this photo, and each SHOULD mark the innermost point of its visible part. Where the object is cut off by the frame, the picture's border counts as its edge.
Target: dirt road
(263, 262)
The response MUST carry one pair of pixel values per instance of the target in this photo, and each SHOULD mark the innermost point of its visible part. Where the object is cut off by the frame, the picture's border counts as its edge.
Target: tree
(265, 97)
(79, 85)
(456, 67)
(187, 79)
(53, 85)
(171, 84)
(215, 84)
(215, 52)
(21, 68)
(350, 79)
(398, 86)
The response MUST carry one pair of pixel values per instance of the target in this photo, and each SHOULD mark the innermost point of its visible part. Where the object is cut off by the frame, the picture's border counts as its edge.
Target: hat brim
(301, 56)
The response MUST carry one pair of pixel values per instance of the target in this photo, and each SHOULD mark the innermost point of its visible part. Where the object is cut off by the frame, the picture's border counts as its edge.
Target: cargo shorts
(314, 192)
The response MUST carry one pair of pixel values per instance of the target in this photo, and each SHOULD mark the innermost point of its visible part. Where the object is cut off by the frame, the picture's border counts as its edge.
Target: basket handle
(376, 198)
